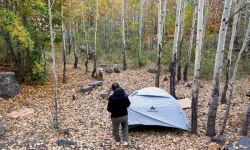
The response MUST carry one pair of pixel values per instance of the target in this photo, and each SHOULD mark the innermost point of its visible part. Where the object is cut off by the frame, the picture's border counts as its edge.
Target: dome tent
(155, 107)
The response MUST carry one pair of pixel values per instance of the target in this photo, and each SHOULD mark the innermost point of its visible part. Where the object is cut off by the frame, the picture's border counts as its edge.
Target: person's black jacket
(118, 103)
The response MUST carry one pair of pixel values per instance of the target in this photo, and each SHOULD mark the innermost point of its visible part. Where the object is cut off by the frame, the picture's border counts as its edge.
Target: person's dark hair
(115, 86)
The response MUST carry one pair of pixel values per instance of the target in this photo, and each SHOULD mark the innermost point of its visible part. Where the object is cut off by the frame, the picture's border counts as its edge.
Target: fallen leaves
(87, 120)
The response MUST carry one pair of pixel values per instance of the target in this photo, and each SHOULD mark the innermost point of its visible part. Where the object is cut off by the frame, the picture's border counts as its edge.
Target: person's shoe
(117, 143)
(125, 143)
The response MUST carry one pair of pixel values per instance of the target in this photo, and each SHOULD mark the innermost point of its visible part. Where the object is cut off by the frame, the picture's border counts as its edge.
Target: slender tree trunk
(70, 36)
(246, 121)
(229, 57)
(232, 89)
(181, 41)
(164, 10)
(123, 36)
(44, 58)
(140, 34)
(206, 17)
(87, 47)
(95, 51)
(191, 42)
(213, 104)
(196, 86)
(175, 47)
(75, 48)
(54, 65)
(20, 64)
(64, 48)
(159, 44)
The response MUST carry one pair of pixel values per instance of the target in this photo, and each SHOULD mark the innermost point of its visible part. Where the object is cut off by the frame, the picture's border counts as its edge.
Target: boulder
(9, 87)
(2, 130)
(96, 84)
(117, 69)
(85, 89)
(242, 144)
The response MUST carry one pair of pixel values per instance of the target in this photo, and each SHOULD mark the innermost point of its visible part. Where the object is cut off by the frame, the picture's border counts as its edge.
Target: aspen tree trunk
(87, 47)
(205, 24)
(175, 47)
(191, 42)
(213, 104)
(140, 34)
(229, 57)
(123, 36)
(44, 57)
(70, 36)
(64, 48)
(246, 121)
(196, 86)
(181, 41)
(232, 88)
(54, 65)
(95, 51)
(159, 44)
(164, 10)
(75, 49)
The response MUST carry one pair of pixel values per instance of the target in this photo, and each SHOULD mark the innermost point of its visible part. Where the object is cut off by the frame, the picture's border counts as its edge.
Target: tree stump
(9, 87)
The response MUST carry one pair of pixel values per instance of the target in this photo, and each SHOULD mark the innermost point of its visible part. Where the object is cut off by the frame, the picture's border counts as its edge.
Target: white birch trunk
(95, 50)
(191, 42)
(75, 49)
(140, 33)
(196, 86)
(213, 104)
(232, 84)
(159, 44)
(175, 47)
(64, 47)
(123, 36)
(229, 57)
(54, 64)
(204, 24)
(181, 40)
(164, 10)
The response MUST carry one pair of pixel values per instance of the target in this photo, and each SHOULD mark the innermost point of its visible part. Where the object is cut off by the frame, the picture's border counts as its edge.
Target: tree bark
(95, 51)
(181, 41)
(196, 86)
(159, 44)
(64, 48)
(123, 36)
(140, 34)
(75, 49)
(175, 47)
(229, 57)
(54, 65)
(232, 89)
(213, 104)
(185, 72)
(246, 121)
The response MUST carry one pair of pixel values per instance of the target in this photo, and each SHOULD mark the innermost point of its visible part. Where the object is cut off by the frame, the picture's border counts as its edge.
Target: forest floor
(86, 116)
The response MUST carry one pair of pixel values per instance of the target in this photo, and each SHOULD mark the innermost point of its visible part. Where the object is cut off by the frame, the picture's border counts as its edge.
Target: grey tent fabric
(154, 106)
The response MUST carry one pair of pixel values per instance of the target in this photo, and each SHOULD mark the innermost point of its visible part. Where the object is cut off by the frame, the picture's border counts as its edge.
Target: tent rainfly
(155, 107)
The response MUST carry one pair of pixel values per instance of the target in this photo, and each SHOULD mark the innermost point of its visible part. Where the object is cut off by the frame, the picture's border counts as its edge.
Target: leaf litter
(88, 122)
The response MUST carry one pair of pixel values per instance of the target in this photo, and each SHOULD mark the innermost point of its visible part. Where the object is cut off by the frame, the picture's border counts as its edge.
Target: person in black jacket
(117, 106)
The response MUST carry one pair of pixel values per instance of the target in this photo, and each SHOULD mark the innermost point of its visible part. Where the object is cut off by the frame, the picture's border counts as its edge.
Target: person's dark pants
(116, 124)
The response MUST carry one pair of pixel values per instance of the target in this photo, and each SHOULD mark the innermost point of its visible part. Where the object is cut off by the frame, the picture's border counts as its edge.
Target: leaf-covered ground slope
(85, 117)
